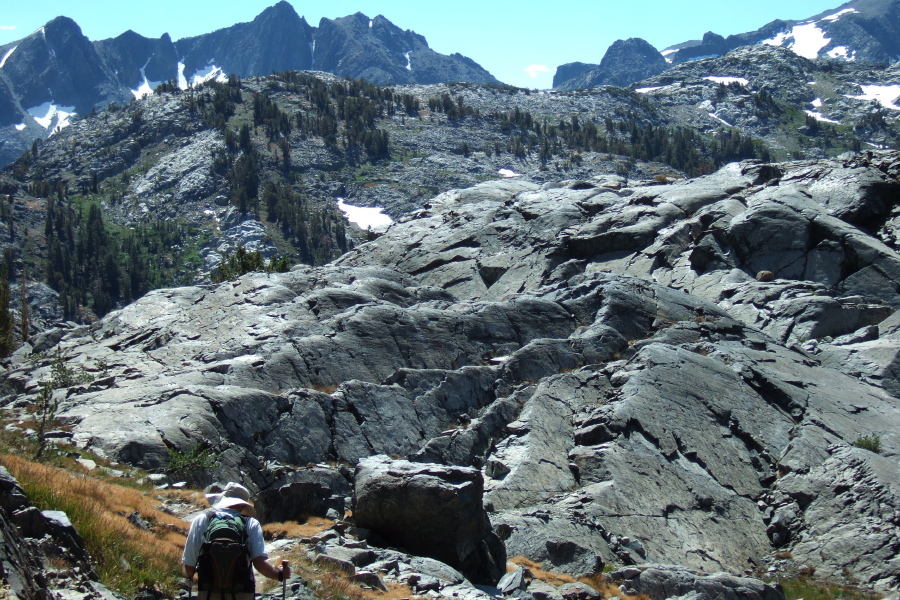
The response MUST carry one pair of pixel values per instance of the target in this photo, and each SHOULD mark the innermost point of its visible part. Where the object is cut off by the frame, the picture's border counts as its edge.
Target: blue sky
(504, 37)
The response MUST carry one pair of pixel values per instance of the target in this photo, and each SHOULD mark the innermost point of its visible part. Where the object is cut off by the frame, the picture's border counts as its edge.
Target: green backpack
(224, 563)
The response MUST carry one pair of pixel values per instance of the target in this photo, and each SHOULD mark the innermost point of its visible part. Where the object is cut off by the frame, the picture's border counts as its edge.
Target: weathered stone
(659, 583)
(578, 591)
(336, 564)
(512, 581)
(430, 510)
(371, 579)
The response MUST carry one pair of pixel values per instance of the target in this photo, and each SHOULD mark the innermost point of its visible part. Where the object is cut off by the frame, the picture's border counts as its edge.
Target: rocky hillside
(182, 179)
(774, 94)
(698, 373)
(857, 31)
(56, 72)
(864, 31)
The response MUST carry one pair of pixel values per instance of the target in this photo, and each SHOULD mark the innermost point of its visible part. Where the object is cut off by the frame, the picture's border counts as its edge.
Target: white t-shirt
(256, 546)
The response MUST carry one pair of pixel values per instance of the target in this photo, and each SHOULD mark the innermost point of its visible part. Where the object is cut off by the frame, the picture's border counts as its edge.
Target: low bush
(872, 443)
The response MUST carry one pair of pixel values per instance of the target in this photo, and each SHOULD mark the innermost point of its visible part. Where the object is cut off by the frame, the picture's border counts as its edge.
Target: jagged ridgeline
(157, 192)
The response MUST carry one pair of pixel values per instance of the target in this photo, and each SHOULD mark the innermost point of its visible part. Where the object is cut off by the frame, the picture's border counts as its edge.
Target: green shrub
(185, 464)
(872, 443)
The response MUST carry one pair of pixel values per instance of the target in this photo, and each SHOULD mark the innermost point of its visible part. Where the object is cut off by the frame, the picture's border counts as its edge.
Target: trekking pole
(284, 565)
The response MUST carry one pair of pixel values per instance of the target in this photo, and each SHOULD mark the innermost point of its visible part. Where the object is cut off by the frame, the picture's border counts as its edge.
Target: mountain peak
(63, 22)
(281, 9)
(625, 62)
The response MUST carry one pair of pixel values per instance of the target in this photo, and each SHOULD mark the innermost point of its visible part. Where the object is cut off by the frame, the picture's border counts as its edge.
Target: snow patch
(669, 51)
(210, 73)
(705, 56)
(778, 40)
(20, 127)
(51, 116)
(842, 52)
(7, 55)
(817, 103)
(720, 119)
(728, 80)
(182, 80)
(370, 24)
(821, 118)
(839, 14)
(146, 88)
(886, 95)
(806, 39)
(408, 61)
(365, 217)
(809, 40)
(647, 90)
(508, 173)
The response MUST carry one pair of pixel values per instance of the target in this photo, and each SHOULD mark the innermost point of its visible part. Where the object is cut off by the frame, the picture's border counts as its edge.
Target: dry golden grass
(187, 496)
(325, 389)
(293, 529)
(539, 573)
(596, 581)
(99, 510)
(334, 584)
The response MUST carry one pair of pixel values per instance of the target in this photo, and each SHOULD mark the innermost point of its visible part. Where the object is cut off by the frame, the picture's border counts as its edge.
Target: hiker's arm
(192, 545)
(263, 566)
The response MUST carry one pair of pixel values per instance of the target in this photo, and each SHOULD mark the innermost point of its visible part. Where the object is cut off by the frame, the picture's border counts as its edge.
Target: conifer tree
(24, 310)
(7, 343)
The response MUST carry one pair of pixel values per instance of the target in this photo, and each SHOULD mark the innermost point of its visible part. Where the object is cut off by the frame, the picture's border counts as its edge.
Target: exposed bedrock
(606, 357)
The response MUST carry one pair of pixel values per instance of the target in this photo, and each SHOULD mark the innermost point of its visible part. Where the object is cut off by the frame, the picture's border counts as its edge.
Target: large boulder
(430, 510)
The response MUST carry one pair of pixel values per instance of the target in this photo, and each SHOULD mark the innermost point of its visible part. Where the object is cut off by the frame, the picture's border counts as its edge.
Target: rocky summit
(699, 373)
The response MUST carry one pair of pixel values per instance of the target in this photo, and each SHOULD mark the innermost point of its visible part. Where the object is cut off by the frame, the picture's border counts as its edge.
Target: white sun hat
(232, 495)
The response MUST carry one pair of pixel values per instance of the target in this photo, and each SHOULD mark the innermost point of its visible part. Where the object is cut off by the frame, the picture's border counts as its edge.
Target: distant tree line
(97, 266)
(680, 147)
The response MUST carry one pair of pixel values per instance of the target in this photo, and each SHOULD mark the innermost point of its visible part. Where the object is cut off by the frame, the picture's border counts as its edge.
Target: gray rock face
(430, 510)
(183, 175)
(846, 502)
(660, 582)
(604, 358)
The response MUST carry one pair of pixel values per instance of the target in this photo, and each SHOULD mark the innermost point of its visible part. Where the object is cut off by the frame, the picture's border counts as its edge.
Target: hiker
(228, 539)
